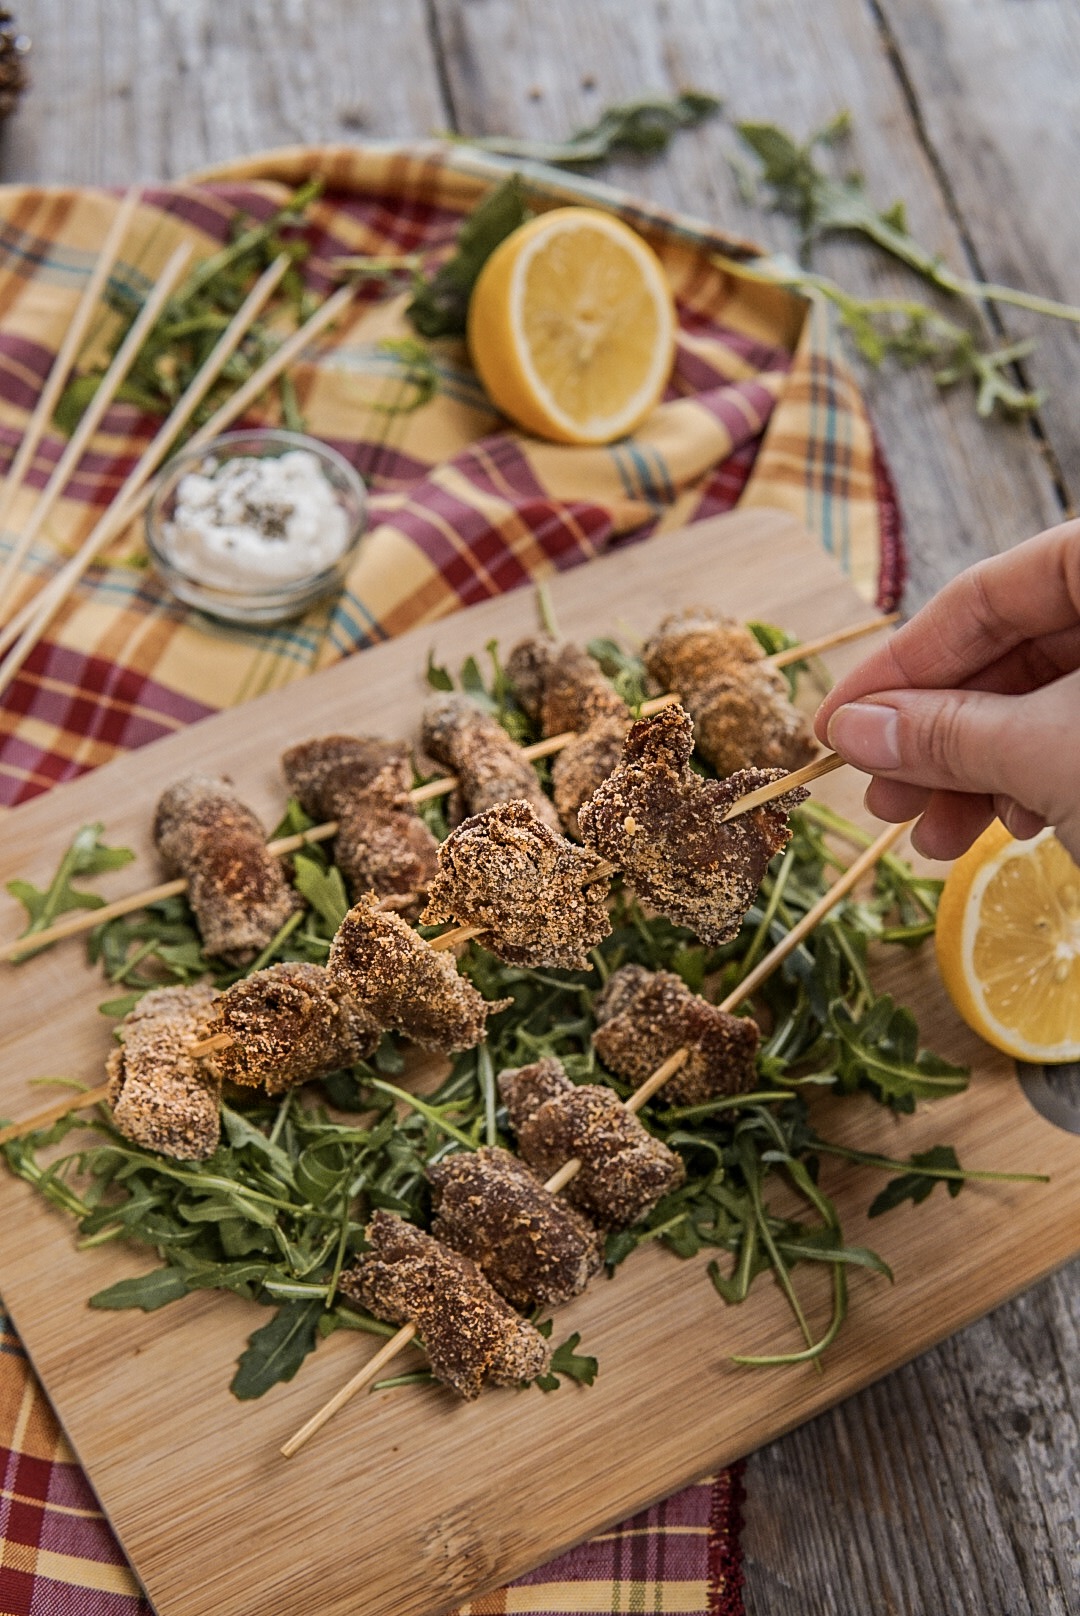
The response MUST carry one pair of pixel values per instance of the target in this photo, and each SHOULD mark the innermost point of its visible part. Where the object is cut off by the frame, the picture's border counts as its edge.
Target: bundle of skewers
(528, 877)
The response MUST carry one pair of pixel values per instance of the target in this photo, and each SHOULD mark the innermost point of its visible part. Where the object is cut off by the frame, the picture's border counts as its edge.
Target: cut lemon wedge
(572, 327)
(1008, 944)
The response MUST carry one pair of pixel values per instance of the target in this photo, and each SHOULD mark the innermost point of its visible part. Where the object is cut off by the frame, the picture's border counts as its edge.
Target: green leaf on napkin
(441, 301)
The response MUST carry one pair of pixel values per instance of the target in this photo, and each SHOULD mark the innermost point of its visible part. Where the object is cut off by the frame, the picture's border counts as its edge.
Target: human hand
(973, 707)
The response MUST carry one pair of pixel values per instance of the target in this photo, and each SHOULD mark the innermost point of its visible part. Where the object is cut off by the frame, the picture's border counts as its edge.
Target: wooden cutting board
(411, 1501)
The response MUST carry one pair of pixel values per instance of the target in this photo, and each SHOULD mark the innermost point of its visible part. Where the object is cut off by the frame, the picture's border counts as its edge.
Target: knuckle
(941, 739)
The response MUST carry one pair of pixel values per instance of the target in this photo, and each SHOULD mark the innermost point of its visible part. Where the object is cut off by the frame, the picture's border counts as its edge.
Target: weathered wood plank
(967, 488)
(998, 91)
(126, 90)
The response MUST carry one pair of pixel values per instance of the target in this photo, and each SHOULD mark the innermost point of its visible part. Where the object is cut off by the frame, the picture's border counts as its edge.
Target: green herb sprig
(196, 315)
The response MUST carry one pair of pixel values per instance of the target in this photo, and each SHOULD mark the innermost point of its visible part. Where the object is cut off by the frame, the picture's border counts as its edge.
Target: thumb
(1024, 747)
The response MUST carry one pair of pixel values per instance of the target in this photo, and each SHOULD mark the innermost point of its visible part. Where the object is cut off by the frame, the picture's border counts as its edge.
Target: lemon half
(1008, 944)
(571, 327)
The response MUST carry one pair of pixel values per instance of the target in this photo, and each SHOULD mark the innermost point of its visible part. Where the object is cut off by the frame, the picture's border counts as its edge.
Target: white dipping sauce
(253, 522)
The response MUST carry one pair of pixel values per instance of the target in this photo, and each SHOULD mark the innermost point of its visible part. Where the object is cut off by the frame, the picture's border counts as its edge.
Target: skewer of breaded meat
(540, 899)
(290, 1023)
(624, 1169)
(741, 708)
(397, 978)
(663, 826)
(382, 844)
(237, 890)
(488, 765)
(162, 1097)
(644, 1016)
(533, 1247)
(563, 689)
(471, 1335)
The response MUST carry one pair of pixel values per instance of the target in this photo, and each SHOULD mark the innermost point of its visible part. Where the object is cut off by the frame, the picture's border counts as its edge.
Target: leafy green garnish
(566, 1362)
(644, 127)
(195, 317)
(88, 855)
(912, 332)
(276, 1352)
(441, 300)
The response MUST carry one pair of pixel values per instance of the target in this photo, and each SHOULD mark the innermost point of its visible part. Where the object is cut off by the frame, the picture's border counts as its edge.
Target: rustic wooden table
(953, 1486)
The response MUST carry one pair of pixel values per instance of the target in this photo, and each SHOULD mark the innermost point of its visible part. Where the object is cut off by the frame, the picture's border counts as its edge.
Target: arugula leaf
(916, 1186)
(88, 855)
(276, 1352)
(196, 315)
(911, 331)
(437, 677)
(643, 127)
(566, 1363)
(440, 301)
(147, 1291)
(626, 671)
(321, 885)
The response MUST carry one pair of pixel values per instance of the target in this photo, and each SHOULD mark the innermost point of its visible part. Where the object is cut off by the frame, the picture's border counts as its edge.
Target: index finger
(1029, 592)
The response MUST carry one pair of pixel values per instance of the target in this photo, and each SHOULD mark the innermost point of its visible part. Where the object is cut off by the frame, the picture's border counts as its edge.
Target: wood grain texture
(127, 90)
(966, 108)
(997, 88)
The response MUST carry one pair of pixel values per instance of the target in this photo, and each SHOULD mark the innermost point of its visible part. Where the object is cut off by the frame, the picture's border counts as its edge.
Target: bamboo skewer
(48, 601)
(65, 358)
(787, 782)
(234, 406)
(53, 1113)
(111, 382)
(86, 920)
(641, 1095)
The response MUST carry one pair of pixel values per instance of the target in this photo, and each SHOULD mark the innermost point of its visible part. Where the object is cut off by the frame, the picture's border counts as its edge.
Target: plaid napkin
(761, 410)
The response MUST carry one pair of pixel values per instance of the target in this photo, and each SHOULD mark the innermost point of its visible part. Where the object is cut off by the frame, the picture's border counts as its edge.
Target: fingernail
(866, 736)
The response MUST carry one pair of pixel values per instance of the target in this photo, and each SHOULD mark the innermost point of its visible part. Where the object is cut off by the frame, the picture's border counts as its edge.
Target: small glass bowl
(247, 603)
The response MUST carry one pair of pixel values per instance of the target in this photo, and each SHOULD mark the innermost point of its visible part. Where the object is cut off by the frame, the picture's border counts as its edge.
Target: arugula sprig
(197, 314)
(823, 205)
(643, 128)
(87, 856)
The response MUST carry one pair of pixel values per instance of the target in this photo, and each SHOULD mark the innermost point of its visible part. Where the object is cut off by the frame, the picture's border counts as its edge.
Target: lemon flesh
(572, 327)
(1010, 953)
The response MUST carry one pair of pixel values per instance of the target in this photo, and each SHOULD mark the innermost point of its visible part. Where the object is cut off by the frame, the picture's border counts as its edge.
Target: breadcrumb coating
(382, 844)
(562, 688)
(236, 889)
(583, 765)
(469, 1333)
(291, 1023)
(743, 715)
(745, 719)
(691, 646)
(162, 1098)
(398, 979)
(489, 766)
(574, 691)
(537, 895)
(664, 827)
(624, 1170)
(528, 1243)
(645, 1016)
(528, 667)
(324, 773)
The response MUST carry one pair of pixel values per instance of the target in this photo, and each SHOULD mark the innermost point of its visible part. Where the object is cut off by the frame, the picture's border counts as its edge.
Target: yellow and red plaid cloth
(760, 410)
